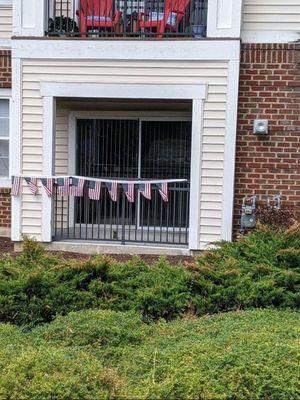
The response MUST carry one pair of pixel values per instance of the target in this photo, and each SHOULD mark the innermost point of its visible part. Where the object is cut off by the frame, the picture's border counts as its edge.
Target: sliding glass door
(136, 148)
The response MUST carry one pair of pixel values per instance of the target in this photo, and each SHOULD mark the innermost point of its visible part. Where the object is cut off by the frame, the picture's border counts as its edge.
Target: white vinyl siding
(62, 141)
(212, 73)
(271, 16)
(5, 21)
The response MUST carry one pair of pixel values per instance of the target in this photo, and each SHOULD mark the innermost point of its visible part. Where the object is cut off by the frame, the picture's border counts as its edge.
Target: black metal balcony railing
(145, 221)
(126, 18)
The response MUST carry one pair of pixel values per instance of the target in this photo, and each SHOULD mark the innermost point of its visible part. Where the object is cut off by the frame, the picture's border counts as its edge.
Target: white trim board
(49, 121)
(187, 50)
(251, 36)
(124, 91)
(229, 151)
(5, 93)
(15, 152)
(5, 44)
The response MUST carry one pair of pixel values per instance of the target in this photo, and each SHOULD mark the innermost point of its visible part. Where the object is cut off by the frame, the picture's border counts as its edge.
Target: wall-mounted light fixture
(260, 127)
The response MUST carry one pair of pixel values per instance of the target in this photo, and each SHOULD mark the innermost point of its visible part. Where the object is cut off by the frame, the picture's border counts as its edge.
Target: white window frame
(5, 181)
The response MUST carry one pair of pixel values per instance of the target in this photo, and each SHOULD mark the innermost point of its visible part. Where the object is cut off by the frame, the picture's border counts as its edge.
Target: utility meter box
(248, 216)
(248, 220)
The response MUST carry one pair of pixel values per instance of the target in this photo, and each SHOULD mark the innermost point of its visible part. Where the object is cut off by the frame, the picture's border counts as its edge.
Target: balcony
(135, 149)
(145, 221)
(126, 18)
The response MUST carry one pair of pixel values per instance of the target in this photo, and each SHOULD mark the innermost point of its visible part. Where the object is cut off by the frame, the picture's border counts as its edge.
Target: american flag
(32, 182)
(129, 191)
(94, 190)
(63, 186)
(76, 188)
(48, 186)
(163, 190)
(145, 189)
(16, 185)
(113, 190)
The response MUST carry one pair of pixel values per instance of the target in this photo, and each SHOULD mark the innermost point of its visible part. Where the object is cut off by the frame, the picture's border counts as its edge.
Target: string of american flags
(78, 186)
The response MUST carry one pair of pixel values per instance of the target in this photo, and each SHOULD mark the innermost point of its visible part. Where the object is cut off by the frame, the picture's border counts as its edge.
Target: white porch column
(195, 185)
(224, 18)
(15, 154)
(49, 117)
(29, 17)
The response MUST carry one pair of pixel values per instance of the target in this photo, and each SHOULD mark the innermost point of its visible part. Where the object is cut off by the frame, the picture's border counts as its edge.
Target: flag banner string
(15, 185)
(48, 186)
(32, 183)
(72, 185)
(104, 180)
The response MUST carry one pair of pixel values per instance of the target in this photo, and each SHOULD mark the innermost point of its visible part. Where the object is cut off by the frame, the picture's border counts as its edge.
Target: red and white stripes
(79, 186)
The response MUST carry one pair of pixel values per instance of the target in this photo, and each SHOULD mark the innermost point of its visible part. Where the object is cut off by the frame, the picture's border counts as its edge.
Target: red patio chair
(98, 14)
(170, 19)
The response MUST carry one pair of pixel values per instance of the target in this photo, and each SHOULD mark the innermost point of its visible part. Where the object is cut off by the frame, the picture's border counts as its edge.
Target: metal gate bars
(144, 221)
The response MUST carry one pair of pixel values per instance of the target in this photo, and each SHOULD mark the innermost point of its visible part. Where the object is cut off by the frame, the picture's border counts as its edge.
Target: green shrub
(89, 355)
(36, 293)
(32, 253)
(260, 270)
(53, 373)
(158, 291)
(289, 257)
(92, 327)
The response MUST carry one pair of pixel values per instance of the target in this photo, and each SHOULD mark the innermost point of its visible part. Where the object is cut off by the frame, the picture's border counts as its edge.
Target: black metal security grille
(126, 18)
(107, 148)
(129, 148)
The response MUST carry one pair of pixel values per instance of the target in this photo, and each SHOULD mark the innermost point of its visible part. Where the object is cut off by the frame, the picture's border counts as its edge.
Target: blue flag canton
(60, 181)
(108, 185)
(91, 184)
(74, 182)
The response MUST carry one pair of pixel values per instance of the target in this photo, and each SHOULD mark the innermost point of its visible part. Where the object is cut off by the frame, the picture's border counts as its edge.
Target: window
(136, 148)
(4, 137)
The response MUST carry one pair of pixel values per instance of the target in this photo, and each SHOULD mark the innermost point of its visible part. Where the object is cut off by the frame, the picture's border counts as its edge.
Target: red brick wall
(5, 208)
(269, 89)
(5, 69)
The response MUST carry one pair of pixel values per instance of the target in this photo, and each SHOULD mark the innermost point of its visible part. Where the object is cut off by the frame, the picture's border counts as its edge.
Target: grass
(114, 355)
